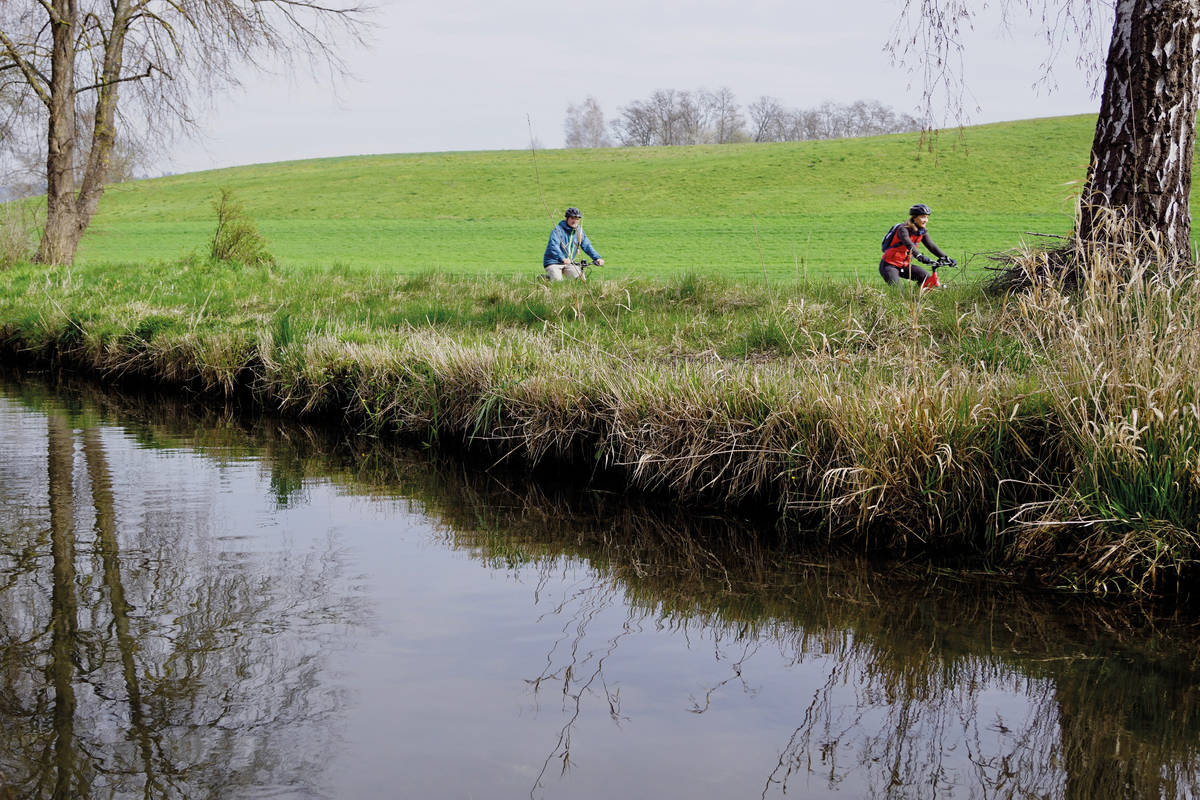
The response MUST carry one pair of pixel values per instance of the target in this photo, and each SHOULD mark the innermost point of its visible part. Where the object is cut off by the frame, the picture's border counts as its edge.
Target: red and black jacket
(900, 245)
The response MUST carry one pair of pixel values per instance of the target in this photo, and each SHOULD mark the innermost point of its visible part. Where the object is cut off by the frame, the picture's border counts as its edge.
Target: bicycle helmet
(572, 212)
(919, 209)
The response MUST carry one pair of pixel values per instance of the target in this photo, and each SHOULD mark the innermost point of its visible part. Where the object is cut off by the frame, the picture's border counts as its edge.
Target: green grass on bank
(691, 318)
(783, 211)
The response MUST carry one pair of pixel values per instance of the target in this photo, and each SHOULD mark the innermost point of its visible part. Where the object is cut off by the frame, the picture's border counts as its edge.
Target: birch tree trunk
(1141, 161)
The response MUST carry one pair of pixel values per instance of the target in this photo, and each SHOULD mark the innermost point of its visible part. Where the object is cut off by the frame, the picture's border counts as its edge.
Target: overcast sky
(472, 74)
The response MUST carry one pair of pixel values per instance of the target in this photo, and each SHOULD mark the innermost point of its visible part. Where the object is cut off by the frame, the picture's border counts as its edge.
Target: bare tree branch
(150, 68)
(33, 78)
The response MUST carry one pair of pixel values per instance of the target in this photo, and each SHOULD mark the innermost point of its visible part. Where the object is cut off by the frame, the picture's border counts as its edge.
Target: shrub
(18, 233)
(236, 237)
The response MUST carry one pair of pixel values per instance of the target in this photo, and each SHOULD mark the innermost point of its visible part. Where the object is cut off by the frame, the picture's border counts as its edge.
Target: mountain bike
(932, 281)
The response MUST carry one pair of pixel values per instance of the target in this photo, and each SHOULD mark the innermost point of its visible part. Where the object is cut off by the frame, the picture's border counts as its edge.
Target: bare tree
(691, 119)
(1141, 160)
(128, 158)
(877, 118)
(727, 123)
(8, 105)
(584, 126)
(23, 155)
(766, 119)
(16, 143)
(1142, 151)
(665, 106)
(636, 125)
(833, 121)
(68, 55)
(648, 122)
(675, 117)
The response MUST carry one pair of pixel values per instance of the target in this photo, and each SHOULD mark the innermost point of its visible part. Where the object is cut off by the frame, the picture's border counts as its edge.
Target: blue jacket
(564, 244)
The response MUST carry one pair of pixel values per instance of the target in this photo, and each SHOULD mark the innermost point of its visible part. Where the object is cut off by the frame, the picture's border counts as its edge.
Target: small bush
(18, 233)
(236, 237)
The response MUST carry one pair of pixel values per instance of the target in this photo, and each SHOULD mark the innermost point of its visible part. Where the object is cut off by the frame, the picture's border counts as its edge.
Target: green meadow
(779, 211)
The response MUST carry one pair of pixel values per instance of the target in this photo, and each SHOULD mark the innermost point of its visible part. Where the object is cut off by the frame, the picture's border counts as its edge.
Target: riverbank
(1049, 434)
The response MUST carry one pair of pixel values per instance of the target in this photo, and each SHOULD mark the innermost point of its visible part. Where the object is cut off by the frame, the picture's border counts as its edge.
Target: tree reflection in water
(582, 673)
(919, 672)
(132, 664)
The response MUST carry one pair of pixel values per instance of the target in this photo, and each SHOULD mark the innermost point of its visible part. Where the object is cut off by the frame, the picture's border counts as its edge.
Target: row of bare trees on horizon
(703, 116)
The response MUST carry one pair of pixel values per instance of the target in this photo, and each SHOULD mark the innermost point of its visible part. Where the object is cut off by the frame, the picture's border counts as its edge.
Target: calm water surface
(210, 607)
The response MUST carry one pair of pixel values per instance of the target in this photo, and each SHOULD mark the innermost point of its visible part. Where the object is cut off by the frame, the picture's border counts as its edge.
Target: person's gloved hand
(924, 259)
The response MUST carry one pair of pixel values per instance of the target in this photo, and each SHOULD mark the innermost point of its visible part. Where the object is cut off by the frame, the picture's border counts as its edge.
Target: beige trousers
(556, 272)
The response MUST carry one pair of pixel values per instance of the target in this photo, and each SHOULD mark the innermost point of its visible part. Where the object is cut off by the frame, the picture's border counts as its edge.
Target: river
(197, 603)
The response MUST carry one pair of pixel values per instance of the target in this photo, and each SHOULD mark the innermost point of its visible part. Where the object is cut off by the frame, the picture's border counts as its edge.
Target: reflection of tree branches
(750, 649)
(913, 653)
(923, 731)
(577, 678)
(818, 711)
(1029, 741)
(165, 672)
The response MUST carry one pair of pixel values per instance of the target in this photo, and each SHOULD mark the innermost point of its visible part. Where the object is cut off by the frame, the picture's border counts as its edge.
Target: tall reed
(1121, 365)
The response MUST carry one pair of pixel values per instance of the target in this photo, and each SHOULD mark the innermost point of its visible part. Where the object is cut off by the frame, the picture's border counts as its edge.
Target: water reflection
(131, 664)
(921, 690)
(148, 649)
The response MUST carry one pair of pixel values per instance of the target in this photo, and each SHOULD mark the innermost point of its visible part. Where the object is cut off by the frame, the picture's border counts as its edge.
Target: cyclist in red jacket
(900, 247)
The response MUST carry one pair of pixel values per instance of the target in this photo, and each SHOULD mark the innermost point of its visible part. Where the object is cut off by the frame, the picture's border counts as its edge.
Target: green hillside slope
(738, 210)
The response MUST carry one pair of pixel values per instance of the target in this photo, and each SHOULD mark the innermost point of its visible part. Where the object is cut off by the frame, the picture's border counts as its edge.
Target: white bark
(1142, 151)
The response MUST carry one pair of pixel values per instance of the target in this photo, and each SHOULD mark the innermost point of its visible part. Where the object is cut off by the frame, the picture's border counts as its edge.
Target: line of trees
(772, 122)
(677, 117)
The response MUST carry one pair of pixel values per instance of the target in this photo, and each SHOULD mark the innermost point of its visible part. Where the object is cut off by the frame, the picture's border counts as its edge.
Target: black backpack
(887, 237)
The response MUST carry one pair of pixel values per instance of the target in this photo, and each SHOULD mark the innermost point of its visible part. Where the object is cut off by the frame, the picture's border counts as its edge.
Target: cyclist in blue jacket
(566, 240)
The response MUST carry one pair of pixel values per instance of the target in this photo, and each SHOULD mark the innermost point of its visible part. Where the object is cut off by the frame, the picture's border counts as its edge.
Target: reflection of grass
(1110, 689)
(814, 208)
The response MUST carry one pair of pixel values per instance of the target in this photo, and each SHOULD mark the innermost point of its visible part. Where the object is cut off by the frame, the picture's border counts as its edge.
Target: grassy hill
(815, 208)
